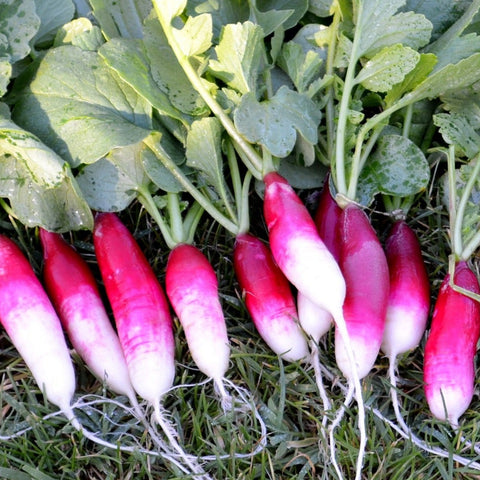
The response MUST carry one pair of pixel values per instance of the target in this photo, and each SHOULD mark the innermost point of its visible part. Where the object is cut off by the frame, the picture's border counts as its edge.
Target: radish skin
(76, 298)
(268, 298)
(365, 269)
(139, 306)
(297, 247)
(192, 288)
(409, 297)
(34, 328)
(449, 372)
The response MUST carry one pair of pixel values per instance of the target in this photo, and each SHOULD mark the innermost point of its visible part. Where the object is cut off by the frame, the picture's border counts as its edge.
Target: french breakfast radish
(365, 269)
(409, 297)
(192, 288)
(268, 298)
(449, 372)
(74, 293)
(34, 328)
(143, 319)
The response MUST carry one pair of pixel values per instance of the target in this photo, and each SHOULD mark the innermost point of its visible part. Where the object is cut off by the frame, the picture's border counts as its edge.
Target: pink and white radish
(142, 317)
(449, 372)
(408, 302)
(74, 293)
(308, 264)
(34, 328)
(192, 288)
(365, 269)
(268, 298)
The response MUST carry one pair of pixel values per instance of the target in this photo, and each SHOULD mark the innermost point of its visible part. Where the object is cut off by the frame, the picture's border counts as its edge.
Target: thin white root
(355, 381)
(315, 362)
(336, 421)
(190, 461)
(409, 435)
(225, 397)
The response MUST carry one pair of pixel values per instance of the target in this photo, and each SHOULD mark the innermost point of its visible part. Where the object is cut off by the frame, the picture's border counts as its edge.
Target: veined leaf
(80, 33)
(274, 123)
(125, 18)
(397, 168)
(39, 184)
(239, 56)
(379, 26)
(82, 120)
(53, 14)
(196, 35)
(457, 129)
(203, 150)
(387, 67)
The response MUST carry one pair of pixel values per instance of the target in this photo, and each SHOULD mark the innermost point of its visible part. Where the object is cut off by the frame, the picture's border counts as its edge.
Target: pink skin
(192, 288)
(365, 269)
(268, 298)
(326, 220)
(297, 248)
(409, 299)
(139, 307)
(449, 372)
(74, 293)
(34, 327)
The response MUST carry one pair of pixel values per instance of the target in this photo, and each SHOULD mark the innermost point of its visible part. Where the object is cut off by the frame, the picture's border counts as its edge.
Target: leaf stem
(206, 204)
(198, 84)
(455, 235)
(175, 215)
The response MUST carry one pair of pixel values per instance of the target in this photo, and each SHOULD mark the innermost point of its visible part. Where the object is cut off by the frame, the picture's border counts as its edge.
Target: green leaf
(422, 69)
(321, 8)
(387, 67)
(166, 71)
(397, 168)
(80, 33)
(379, 26)
(239, 56)
(170, 9)
(274, 123)
(458, 130)
(222, 13)
(53, 14)
(457, 49)
(203, 150)
(38, 183)
(112, 183)
(123, 18)
(196, 35)
(82, 120)
(129, 59)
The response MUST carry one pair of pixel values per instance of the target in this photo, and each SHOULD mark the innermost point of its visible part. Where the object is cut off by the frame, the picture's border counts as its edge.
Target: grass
(284, 394)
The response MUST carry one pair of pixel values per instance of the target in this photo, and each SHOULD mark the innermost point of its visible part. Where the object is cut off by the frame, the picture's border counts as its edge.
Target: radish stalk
(142, 317)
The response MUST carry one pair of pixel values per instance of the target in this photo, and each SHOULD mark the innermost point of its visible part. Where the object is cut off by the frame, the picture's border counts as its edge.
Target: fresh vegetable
(192, 288)
(449, 360)
(409, 297)
(74, 293)
(139, 306)
(34, 328)
(268, 298)
(365, 269)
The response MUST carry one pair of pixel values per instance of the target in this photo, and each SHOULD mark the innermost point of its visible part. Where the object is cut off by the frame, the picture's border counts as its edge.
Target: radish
(34, 328)
(192, 288)
(449, 372)
(268, 298)
(75, 295)
(408, 303)
(307, 263)
(142, 316)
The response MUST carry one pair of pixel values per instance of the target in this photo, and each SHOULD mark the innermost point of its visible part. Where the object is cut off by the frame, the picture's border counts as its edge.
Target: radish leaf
(459, 130)
(397, 168)
(82, 120)
(39, 184)
(53, 15)
(239, 55)
(387, 67)
(273, 123)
